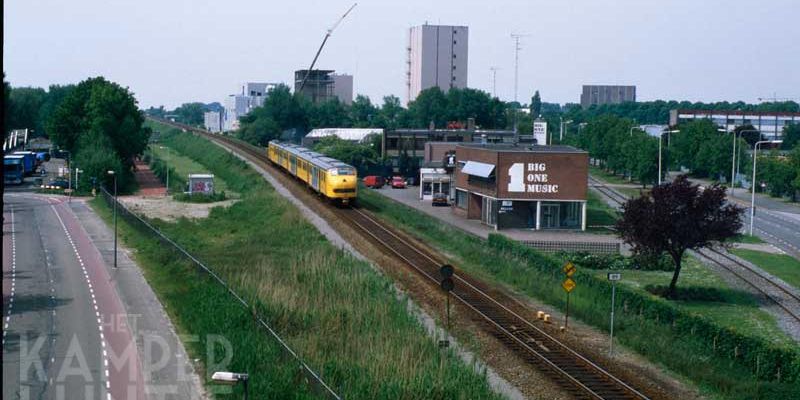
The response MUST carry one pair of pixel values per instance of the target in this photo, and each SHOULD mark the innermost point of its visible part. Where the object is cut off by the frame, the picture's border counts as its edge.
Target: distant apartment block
(437, 56)
(213, 121)
(257, 91)
(606, 94)
(343, 88)
(770, 124)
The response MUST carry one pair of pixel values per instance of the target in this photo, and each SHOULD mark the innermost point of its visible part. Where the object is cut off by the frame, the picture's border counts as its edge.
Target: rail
(312, 378)
(575, 373)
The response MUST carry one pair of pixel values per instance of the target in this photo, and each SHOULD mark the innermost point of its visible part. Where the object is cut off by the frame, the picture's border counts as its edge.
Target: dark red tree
(675, 217)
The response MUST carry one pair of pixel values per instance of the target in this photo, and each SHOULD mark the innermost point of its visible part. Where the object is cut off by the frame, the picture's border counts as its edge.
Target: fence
(312, 378)
(548, 246)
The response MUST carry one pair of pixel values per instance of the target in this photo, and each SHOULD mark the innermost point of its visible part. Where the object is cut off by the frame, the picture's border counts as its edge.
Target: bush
(617, 261)
(200, 197)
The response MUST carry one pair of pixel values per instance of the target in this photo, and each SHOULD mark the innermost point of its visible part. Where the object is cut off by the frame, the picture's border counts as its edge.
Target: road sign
(614, 276)
(569, 268)
(568, 285)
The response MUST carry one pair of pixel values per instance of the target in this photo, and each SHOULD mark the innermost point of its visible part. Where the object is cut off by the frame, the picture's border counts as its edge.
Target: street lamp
(753, 182)
(115, 216)
(660, 139)
(231, 378)
(561, 132)
(736, 136)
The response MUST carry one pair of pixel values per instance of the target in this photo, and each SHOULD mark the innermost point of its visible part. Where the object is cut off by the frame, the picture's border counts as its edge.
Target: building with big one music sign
(522, 186)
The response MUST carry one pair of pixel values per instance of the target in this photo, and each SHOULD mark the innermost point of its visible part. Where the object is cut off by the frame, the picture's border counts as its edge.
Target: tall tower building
(437, 56)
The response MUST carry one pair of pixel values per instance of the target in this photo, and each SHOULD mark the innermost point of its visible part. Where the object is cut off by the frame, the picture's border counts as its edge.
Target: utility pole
(494, 80)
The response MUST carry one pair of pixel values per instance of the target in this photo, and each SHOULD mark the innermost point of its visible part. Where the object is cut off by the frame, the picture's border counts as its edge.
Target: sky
(173, 51)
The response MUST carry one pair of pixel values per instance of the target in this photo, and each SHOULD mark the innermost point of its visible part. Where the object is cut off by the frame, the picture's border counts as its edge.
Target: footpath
(149, 184)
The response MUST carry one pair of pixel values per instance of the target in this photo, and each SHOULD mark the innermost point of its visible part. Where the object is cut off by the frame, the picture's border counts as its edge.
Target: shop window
(461, 199)
(426, 188)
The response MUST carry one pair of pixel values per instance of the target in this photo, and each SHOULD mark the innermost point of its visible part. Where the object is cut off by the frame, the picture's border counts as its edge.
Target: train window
(342, 171)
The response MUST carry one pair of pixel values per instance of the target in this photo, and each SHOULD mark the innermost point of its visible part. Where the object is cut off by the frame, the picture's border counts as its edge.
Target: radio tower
(494, 80)
(517, 48)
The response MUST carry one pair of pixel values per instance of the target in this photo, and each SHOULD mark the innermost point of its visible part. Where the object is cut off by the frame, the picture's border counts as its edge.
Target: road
(65, 331)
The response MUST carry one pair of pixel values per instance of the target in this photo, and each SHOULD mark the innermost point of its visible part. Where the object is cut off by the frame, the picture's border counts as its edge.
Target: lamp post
(660, 139)
(561, 132)
(753, 182)
(115, 216)
(231, 378)
(736, 136)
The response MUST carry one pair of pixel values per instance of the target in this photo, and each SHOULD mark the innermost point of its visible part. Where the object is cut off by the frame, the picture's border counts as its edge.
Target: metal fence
(548, 246)
(312, 378)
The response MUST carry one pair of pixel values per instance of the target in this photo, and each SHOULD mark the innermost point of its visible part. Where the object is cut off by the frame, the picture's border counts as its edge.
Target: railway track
(611, 194)
(776, 292)
(576, 374)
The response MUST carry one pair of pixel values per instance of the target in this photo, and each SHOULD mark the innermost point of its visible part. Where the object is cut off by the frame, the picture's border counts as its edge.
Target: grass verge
(749, 239)
(725, 372)
(599, 213)
(781, 265)
(339, 314)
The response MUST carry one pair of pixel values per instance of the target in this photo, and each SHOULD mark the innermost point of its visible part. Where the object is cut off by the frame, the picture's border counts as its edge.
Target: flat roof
(738, 112)
(523, 148)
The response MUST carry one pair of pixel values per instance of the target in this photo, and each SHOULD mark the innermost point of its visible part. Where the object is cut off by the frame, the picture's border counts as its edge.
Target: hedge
(765, 360)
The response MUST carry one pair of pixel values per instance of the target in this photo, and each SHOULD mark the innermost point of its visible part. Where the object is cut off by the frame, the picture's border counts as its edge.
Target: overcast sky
(169, 51)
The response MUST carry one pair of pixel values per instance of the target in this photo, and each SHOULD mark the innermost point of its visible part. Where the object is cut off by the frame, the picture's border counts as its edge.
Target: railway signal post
(613, 277)
(447, 284)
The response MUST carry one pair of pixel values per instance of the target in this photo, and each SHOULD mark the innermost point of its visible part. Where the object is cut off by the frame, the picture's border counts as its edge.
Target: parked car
(440, 199)
(60, 183)
(373, 181)
(398, 182)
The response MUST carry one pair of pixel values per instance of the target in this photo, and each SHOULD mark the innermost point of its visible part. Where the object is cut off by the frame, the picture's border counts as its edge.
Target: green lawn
(781, 265)
(609, 177)
(598, 212)
(750, 239)
(181, 166)
(727, 307)
(340, 315)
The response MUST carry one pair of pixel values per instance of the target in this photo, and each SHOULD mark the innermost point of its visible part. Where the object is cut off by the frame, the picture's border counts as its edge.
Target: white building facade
(237, 105)
(213, 121)
(343, 88)
(770, 124)
(437, 56)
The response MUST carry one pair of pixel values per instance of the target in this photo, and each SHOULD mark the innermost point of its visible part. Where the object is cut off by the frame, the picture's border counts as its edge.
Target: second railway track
(575, 373)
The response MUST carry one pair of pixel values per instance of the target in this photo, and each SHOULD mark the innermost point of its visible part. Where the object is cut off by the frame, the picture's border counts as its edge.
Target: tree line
(96, 121)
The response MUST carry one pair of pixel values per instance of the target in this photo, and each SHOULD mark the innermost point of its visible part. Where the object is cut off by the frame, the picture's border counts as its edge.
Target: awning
(478, 169)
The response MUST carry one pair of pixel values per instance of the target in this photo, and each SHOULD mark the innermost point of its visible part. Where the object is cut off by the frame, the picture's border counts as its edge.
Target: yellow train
(326, 176)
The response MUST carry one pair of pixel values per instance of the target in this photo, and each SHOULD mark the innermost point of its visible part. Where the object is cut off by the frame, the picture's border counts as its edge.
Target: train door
(293, 164)
(315, 177)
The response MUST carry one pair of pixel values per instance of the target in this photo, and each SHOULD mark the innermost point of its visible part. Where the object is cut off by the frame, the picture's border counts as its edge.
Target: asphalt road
(65, 332)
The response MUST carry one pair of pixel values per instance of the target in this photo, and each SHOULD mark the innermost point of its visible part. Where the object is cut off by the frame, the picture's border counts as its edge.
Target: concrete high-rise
(343, 87)
(606, 94)
(437, 56)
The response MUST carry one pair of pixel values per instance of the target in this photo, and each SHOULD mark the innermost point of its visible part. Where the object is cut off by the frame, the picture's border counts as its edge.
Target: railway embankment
(339, 315)
(735, 364)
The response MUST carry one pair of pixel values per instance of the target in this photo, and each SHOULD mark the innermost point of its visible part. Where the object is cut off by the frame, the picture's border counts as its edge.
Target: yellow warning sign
(569, 269)
(568, 285)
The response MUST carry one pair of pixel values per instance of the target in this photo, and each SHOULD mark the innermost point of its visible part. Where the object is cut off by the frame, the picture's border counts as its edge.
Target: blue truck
(29, 161)
(13, 169)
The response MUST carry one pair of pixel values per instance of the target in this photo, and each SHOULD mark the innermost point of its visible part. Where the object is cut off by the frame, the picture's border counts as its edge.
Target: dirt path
(149, 184)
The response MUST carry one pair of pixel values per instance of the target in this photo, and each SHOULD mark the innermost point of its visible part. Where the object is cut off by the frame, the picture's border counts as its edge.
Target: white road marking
(94, 303)
(13, 274)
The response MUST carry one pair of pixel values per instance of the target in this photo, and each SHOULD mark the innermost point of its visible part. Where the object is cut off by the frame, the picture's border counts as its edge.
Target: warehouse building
(522, 186)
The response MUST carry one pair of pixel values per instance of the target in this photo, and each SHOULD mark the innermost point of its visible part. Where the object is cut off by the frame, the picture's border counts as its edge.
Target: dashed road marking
(94, 303)
(13, 275)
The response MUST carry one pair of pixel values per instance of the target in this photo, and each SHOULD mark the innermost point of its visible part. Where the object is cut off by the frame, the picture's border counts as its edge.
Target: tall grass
(340, 315)
(540, 277)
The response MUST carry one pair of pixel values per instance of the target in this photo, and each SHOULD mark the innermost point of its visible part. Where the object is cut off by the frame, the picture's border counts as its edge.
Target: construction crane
(325, 39)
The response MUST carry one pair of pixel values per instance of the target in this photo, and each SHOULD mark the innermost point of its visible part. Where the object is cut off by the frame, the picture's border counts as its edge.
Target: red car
(373, 181)
(398, 182)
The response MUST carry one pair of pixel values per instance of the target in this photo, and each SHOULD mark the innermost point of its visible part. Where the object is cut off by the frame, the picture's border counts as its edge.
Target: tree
(675, 217)
(536, 105)
(749, 133)
(429, 106)
(190, 113)
(794, 162)
(25, 105)
(791, 136)
(363, 156)
(104, 109)
(362, 112)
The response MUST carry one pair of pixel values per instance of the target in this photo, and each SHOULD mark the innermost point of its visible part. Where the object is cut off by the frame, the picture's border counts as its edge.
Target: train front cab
(341, 184)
